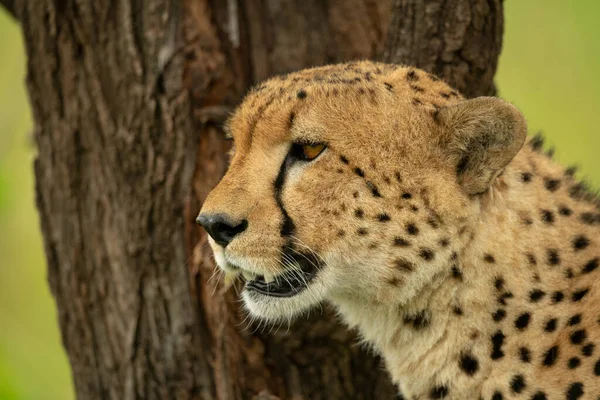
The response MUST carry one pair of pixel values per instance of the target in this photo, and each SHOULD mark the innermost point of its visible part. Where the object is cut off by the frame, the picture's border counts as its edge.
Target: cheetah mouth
(303, 269)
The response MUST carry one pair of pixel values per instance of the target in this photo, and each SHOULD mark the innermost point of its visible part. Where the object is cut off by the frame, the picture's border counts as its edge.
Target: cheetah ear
(483, 135)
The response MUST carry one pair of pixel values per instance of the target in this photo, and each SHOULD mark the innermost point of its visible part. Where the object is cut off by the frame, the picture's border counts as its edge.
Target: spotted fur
(467, 259)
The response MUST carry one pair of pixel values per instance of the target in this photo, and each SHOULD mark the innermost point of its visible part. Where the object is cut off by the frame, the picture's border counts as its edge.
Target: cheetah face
(356, 181)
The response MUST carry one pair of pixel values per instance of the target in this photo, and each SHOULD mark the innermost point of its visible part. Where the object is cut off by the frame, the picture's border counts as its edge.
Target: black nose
(220, 227)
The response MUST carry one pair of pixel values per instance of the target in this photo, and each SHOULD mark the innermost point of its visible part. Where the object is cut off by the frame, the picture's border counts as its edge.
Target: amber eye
(312, 151)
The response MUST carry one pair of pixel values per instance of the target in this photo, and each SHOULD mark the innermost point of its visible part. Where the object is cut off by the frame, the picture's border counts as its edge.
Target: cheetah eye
(307, 151)
(312, 151)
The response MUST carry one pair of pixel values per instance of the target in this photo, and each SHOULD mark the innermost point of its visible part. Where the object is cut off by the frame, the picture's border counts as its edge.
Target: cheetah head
(355, 181)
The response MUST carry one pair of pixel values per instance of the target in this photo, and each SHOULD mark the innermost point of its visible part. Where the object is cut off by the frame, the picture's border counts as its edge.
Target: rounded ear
(482, 136)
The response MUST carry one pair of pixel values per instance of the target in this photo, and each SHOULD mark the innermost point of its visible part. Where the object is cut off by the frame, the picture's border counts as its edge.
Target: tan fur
(481, 230)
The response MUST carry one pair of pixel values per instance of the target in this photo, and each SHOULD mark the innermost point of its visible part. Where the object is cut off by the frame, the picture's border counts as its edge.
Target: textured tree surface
(128, 97)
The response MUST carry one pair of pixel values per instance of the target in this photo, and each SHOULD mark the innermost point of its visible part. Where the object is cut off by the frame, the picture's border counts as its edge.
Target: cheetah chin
(285, 295)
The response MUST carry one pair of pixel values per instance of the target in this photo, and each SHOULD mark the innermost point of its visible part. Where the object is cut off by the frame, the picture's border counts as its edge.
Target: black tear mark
(287, 226)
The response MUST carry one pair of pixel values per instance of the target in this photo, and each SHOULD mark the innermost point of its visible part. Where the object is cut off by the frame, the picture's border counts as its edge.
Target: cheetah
(457, 249)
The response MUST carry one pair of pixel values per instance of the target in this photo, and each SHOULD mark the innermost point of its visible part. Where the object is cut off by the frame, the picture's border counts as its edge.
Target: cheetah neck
(530, 258)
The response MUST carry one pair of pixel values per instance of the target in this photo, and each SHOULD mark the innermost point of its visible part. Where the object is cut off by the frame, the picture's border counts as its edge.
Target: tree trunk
(127, 97)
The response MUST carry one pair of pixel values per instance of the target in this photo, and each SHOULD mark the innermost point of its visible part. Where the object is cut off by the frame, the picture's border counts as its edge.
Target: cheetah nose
(221, 227)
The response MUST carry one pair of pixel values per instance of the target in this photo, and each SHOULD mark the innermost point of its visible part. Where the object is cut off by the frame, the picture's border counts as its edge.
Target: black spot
(359, 213)
(524, 354)
(445, 95)
(417, 89)
(539, 396)
(574, 320)
(592, 265)
(551, 184)
(418, 321)
(589, 218)
(588, 349)
(522, 321)
(537, 142)
(517, 383)
(341, 233)
(497, 342)
(301, 94)
(597, 368)
(504, 296)
(444, 242)
(526, 177)
(395, 281)
(406, 195)
(531, 259)
(404, 265)
(569, 273)
(489, 258)
(575, 391)
(362, 231)
(417, 102)
(344, 160)
(499, 315)
(557, 297)
(579, 294)
(427, 254)
(397, 176)
(457, 310)
(438, 392)
(433, 223)
(536, 295)
(401, 242)
(573, 362)
(412, 229)
(383, 217)
(388, 86)
(578, 336)
(456, 272)
(566, 211)
(374, 190)
(355, 194)
(580, 242)
(497, 396)
(499, 283)
(553, 257)
(469, 364)
(551, 325)
(547, 216)
(550, 356)
(291, 119)
(412, 76)
(359, 172)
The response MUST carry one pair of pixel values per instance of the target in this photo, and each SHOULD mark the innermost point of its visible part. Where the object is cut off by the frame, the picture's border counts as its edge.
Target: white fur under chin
(278, 309)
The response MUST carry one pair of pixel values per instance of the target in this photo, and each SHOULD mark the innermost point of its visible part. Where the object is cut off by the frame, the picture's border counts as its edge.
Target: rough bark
(459, 40)
(127, 98)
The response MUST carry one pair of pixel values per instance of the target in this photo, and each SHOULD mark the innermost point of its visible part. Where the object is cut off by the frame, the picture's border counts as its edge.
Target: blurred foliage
(548, 69)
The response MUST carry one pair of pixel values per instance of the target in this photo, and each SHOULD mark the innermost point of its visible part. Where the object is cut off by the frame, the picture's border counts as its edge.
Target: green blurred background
(549, 68)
